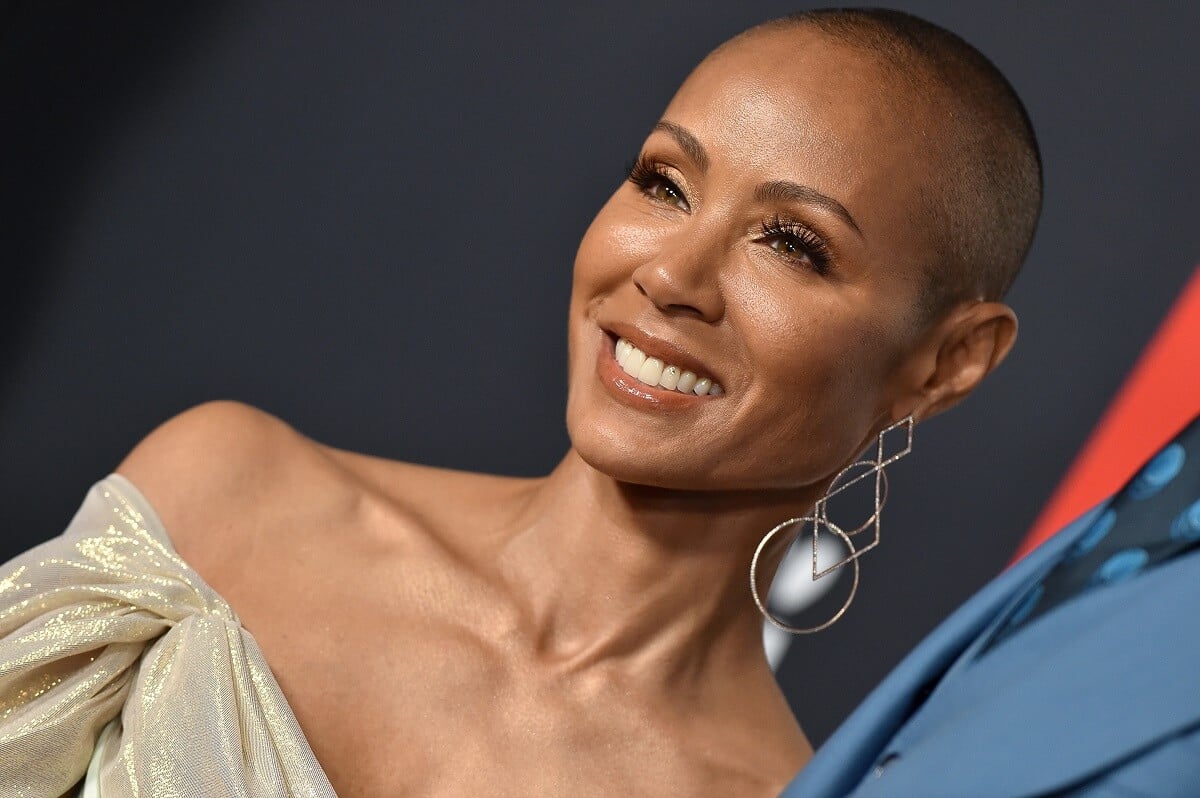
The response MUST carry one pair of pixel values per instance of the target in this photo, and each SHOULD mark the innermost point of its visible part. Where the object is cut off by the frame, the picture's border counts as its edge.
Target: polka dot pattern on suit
(1154, 518)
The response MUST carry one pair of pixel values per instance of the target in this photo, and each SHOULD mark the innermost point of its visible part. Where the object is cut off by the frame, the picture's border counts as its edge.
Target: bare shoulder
(219, 475)
(231, 482)
(185, 448)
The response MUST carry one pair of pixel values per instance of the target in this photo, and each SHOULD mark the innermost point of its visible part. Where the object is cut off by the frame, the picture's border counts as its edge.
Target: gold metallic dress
(118, 663)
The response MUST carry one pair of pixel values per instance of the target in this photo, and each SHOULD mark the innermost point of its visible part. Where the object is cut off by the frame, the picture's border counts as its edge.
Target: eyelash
(645, 174)
(806, 240)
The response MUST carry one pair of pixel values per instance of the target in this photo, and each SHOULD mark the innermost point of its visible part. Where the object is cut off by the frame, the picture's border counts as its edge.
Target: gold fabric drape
(106, 621)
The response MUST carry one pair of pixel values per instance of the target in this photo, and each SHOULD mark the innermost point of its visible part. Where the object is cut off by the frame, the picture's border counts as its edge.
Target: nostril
(686, 309)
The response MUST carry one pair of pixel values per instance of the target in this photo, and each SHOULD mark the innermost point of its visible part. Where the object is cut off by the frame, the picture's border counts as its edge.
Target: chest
(409, 674)
(417, 711)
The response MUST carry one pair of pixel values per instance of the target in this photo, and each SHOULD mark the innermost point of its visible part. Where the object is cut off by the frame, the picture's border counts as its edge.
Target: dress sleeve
(107, 622)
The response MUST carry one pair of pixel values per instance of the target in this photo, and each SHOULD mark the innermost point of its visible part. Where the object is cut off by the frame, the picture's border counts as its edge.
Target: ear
(958, 353)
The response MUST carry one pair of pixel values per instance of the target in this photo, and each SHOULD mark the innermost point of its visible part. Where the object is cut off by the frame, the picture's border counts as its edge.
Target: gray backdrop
(362, 218)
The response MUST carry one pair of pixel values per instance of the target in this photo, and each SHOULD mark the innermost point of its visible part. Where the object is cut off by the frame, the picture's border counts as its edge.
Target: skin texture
(441, 633)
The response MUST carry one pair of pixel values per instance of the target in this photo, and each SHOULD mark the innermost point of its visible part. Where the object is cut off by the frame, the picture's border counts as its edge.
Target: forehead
(796, 105)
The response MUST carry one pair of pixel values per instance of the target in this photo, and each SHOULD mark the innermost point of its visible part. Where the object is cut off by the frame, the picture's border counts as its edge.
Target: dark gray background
(362, 218)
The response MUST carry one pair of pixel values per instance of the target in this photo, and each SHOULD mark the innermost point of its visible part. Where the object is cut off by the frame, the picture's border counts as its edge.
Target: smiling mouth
(653, 372)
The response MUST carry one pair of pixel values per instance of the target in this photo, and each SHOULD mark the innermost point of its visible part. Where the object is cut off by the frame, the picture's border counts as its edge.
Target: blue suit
(1099, 697)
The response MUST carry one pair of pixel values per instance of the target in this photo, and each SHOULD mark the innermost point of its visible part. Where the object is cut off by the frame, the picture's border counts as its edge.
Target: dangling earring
(820, 518)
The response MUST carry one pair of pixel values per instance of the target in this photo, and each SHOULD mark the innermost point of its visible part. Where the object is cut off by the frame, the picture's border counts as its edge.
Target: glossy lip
(635, 393)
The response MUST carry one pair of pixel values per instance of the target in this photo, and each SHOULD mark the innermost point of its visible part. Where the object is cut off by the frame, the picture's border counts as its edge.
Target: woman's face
(767, 240)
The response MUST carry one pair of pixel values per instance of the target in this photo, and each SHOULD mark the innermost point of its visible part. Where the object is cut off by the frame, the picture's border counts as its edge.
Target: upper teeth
(652, 371)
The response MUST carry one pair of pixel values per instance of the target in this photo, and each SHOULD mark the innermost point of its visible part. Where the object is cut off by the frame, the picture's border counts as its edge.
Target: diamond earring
(820, 519)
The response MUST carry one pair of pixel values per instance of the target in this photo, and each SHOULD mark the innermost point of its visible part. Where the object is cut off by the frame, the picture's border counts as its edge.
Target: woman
(810, 248)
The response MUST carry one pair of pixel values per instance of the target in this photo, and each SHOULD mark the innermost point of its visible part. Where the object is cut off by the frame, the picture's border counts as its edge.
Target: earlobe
(970, 344)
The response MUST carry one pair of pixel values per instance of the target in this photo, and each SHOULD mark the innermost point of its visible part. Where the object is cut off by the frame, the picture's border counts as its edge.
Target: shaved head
(980, 210)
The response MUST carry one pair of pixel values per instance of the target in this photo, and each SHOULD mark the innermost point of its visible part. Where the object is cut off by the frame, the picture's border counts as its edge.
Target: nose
(684, 279)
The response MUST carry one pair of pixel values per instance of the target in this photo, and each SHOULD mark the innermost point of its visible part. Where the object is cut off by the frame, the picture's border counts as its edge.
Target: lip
(631, 391)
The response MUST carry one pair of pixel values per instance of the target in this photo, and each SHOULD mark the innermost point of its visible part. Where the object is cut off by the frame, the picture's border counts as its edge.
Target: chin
(636, 470)
(616, 452)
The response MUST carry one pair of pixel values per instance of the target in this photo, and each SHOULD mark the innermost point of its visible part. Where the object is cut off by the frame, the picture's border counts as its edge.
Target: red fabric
(1160, 396)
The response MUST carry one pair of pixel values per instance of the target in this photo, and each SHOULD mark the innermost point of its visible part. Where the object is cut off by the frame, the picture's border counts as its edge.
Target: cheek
(820, 367)
(617, 241)
(608, 253)
(807, 336)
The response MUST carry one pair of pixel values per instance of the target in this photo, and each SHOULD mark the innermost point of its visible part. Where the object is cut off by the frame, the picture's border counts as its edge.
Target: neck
(657, 579)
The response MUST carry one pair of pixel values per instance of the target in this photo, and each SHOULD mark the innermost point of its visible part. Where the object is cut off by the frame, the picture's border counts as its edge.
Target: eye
(652, 179)
(797, 243)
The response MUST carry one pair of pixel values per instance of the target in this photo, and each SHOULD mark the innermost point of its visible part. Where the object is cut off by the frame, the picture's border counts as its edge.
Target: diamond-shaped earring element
(840, 483)
(820, 518)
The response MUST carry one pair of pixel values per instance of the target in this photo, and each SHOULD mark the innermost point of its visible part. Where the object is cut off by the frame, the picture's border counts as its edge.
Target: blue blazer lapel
(843, 760)
(1088, 686)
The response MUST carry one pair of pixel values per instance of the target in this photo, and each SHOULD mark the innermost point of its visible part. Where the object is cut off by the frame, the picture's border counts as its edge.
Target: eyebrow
(788, 191)
(686, 141)
(773, 190)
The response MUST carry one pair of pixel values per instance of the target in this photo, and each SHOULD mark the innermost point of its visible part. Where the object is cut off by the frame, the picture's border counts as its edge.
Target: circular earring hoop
(762, 605)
